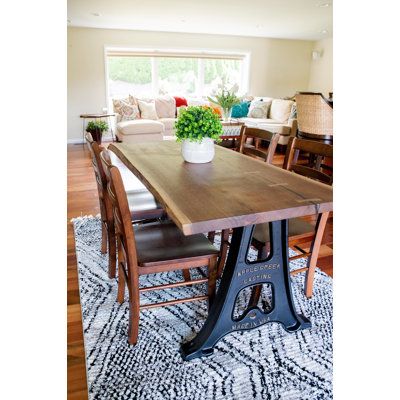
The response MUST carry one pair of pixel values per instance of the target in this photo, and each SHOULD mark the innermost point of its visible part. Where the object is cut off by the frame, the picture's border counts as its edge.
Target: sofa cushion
(168, 123)
(180, 101)
(147, 110)
(240, 110)
(165, 106)
(259, 109)
(280, 110)
(126, 108)
(283, 130)
(256, 121)
(140, 126)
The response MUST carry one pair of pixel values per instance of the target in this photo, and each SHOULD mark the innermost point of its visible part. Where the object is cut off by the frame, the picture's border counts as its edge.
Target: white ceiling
(288, 19)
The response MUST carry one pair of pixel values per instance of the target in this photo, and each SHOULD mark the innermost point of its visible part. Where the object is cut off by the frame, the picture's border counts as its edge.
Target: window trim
(200, 54)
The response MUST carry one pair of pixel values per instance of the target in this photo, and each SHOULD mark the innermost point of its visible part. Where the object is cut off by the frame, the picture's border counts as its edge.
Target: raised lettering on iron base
(238, 274)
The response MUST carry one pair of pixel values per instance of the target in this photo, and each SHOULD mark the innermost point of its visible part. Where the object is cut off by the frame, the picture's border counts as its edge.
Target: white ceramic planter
(198, 152)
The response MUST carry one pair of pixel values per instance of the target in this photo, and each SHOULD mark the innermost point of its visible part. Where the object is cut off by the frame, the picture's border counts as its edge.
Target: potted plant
(226, 99)
(197, 127)
(96, 128)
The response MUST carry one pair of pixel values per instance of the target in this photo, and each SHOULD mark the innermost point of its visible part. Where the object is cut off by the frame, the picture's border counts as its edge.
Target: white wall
(321, 72)
(277, 67)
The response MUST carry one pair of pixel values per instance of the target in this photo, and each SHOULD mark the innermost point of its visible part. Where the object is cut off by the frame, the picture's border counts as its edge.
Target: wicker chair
(314, 117)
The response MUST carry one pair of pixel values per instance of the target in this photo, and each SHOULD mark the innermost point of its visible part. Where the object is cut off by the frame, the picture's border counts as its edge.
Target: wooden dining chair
(151, 248)
(300, 231)
(142, 205)
(259, 136)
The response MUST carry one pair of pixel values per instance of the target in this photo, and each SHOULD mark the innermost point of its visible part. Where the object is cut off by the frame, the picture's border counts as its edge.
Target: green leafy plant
(225, 98)
(96, 126)
(198, 122)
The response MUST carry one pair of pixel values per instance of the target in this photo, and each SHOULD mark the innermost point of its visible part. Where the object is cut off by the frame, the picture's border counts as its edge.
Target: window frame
(199, 54)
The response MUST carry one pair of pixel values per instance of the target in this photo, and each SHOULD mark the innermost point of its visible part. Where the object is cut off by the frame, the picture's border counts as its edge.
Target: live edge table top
(233, 190)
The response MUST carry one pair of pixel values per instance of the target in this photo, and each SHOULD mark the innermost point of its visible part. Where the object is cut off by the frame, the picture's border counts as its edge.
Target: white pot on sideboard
(198, 152)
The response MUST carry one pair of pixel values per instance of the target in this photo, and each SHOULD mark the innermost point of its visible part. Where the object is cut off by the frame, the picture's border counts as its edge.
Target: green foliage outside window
(138, 69)
(198, 122)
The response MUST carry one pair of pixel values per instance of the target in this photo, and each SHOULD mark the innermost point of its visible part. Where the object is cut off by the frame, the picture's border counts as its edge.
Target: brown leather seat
(163, 241)
(297, 228)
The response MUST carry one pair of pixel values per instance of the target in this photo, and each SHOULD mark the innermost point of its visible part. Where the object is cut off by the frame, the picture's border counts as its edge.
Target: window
(193, 75)
(129, 75)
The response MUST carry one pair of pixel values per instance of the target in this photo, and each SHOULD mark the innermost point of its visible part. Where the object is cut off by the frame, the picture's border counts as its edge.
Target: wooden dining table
(235, 192)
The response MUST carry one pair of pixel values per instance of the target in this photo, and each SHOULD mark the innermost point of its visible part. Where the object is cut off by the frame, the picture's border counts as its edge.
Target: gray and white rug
(265, 363)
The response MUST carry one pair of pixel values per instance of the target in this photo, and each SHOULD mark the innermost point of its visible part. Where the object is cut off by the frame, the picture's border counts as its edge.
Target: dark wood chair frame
(258, 135)
(128, 267)
(314, 172)
(106, 214)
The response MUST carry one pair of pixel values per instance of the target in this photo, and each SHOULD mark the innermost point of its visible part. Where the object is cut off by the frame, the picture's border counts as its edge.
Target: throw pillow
(259, 109)
(148, 110)
(127, 108)
(240, 110)
(280, 110)
(293, 112)
(180, 101)
(165, 107)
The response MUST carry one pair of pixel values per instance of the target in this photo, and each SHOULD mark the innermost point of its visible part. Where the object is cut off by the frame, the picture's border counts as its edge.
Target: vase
(198, 152)
(226, 114)
(96, 135)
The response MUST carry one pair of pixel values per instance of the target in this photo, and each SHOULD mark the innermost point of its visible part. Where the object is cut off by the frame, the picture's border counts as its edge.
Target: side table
(96, 116)
(231, 135)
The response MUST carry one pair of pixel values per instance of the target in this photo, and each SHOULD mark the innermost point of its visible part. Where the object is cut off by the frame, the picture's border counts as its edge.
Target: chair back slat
(317, 149)
(258, 135)
(312, 173)
(120, 208)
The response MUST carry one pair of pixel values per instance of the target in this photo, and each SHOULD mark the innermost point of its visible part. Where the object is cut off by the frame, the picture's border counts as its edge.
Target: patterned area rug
(265, 363)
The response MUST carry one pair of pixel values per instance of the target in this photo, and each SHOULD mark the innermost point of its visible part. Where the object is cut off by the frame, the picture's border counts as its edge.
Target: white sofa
(280, 120)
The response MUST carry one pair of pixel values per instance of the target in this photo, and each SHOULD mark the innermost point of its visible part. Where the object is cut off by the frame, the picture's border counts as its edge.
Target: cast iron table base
(239, 274)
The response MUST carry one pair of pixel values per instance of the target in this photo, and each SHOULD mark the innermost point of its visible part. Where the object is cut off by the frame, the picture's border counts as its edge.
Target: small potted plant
(96, 128)
(197, 127)
(226, 99)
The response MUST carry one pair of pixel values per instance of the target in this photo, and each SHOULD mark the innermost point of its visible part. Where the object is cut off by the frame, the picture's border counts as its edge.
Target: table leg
(83, 132)
(239, 274)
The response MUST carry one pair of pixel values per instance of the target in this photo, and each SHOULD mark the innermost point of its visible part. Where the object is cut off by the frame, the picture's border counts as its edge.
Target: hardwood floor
(82, 200)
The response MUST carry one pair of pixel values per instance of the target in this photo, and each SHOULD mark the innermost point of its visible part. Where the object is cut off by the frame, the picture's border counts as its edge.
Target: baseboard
(75, 141)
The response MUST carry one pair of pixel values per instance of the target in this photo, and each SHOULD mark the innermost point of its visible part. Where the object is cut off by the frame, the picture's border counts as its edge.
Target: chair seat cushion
(162, 241)
(297, 228)
(140, 126)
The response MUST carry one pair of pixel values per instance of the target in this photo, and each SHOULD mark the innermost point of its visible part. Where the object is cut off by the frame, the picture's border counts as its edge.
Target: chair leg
(103, 237)
(112, 251)
(223, 250)
(186, 275)
(121, 284)
(134, 306)
(315, 246)
(212, 280)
